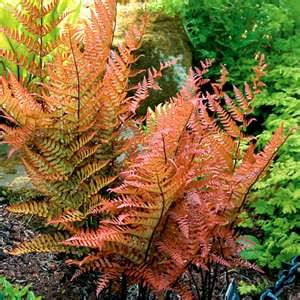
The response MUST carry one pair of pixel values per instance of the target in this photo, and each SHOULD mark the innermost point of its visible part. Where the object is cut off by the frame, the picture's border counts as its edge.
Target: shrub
(173, 210)
(275, 207)
(232, 32)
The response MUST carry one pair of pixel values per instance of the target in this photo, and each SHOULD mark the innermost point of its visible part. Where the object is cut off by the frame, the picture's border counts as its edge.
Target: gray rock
(164, 40)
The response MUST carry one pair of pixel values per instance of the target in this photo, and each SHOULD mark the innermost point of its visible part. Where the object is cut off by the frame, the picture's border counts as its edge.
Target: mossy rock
(164, 40)
(12, 172)
(15, 185)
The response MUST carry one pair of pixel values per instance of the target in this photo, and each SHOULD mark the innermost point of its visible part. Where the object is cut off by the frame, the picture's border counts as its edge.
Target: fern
(165, 218)
(172, 205)
(71, 135)
(33, 40)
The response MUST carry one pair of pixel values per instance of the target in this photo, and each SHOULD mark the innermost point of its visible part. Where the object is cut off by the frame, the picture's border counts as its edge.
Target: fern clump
(182, 193)
(71, 135)
(166, 199)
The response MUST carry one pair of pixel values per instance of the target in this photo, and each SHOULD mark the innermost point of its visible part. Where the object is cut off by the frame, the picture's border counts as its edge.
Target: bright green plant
(275, 207)
(9, 291)
(170, 7)
(233, 31)
(252, 289)
(30, 35)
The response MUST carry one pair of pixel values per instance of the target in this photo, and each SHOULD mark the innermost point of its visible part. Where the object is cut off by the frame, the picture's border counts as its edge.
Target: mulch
(48, 275)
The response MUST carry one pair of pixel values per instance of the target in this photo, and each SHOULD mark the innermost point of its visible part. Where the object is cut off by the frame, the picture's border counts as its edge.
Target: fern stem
(207, 287)
(214, 280)
(142, 293)
(114, 25)
(41, 42)
(18, 73)
(204, 285)
(210, 284)
(195, 283)
(168, 295)
(16, 55)
(159, 220)
(77, 77)
(182, 132)
(110, 290)
(236, 153)
(164, 148)
(124, 287)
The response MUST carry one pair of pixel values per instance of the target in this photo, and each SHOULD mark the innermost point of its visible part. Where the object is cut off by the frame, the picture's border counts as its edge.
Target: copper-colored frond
(42, 243)
(40, 208)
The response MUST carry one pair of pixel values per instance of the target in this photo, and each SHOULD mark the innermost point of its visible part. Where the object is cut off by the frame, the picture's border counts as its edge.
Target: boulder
(20, 183)
(164, 40)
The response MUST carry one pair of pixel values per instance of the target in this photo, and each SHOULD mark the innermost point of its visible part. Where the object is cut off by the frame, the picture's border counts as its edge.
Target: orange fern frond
(40, 208)
(34, 39)
(42, 243)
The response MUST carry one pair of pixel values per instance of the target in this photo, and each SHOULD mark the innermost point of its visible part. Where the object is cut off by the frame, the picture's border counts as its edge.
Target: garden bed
(47, 273)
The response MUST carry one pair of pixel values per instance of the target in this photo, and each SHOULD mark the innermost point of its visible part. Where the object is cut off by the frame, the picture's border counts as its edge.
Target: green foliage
(275, 207)
(233, 31)
(170, 7)
(252, 289)
(13, 292)
(13, 196)
(10, 20)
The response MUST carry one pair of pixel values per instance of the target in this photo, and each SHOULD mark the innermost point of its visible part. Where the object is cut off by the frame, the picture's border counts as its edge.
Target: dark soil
(47, 273)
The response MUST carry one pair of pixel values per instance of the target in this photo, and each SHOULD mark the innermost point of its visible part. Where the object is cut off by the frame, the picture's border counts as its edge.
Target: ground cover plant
(155, 207)
(9, 291)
